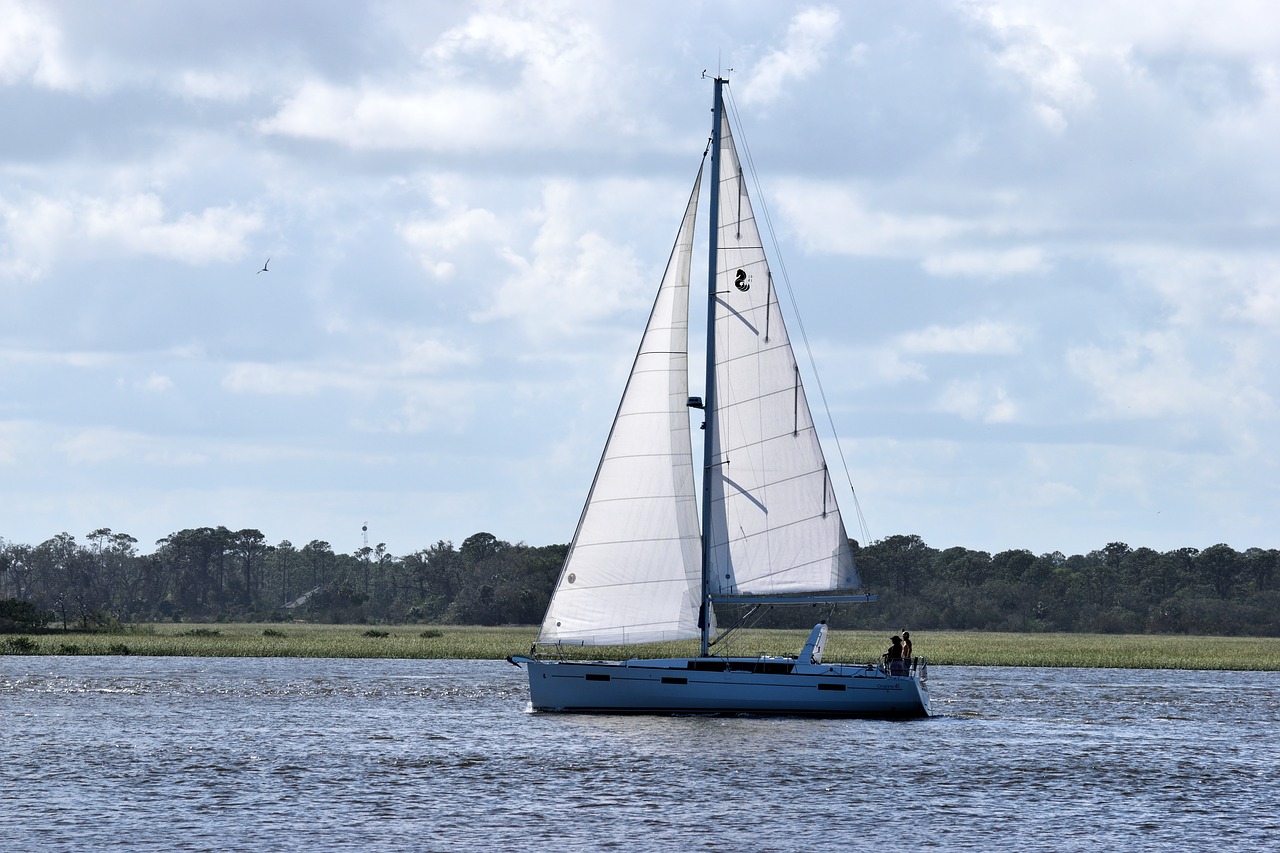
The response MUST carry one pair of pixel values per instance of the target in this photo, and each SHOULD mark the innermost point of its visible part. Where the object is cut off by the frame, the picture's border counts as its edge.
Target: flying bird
(264, 267)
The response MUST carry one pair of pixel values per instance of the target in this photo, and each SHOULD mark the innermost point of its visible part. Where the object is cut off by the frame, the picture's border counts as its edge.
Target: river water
(288, 754)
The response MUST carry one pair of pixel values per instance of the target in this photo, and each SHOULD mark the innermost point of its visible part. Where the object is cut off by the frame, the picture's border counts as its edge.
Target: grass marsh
(942, 648)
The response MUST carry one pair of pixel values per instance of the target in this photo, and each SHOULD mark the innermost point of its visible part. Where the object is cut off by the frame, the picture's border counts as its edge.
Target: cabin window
(595, 676)
(667, 680)
(822, 686)
(708, 665)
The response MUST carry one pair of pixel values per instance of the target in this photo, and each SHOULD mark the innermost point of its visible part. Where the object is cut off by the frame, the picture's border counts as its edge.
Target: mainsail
(774, 524)
(633, 571)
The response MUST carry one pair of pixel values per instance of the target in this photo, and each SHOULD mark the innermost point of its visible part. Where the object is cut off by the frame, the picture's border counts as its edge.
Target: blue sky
(1034, 248)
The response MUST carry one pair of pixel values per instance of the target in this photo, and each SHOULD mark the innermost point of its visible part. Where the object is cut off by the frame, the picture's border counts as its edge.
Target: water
(284, 754)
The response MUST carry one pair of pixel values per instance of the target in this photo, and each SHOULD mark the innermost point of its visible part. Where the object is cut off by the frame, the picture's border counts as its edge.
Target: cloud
(369, 117)
(1206, 287)
(977, 401)
(286, 379)
(988, 264)
(573, 276)
(31, 48)
(835, 218)
(1198, 26)
(809, 34)
(137, 223)
(30, 235)
(437, 239)
(416, 358)
(80, 359)
(156, 383)
(103, 445)
(1065, 54)
(1055, 215)
(972, 339)
(1045, 57)
(456, 101)
(213, 85)
(1260, 302)
(1152, 375)
(131, 224)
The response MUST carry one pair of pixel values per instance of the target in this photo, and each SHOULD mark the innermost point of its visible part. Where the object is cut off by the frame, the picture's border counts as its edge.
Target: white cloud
(835, 218)
(1151, 375)
(1051, 494)
(80, 359)
(974, 400)
(31, 47)
(1260, 302)
(30, 235)
(574, 276)
(213, 85)
(990, 264)
(1243, 28)
(284, 379)
(523, 154)
(156, 383)
(42, 228)
(11, 442)
(429, 356)
(450, 104)
(369, 117)
(1064, 53)
(137, 223)
(101, 445)
(416, 359)
(1046, 57)
(1203, 288)
(986, 337)
(458, 227)
(809, 35)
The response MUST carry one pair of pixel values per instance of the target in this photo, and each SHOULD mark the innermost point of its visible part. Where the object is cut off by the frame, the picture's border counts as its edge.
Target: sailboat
(649, 564)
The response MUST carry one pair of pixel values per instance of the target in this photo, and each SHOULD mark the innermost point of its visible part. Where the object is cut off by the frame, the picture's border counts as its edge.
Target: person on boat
(906, 650)
(893, 657)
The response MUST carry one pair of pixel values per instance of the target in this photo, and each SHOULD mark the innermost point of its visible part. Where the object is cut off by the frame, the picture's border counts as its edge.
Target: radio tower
(364, 553)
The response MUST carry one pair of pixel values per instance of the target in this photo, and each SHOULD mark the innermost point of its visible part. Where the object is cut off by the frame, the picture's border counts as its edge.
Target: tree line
(209, 574)
(1116, 589)
(217, 574)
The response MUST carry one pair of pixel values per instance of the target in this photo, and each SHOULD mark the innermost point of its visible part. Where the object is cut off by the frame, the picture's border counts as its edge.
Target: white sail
(775, 527)
(638, 571)
(633, 571)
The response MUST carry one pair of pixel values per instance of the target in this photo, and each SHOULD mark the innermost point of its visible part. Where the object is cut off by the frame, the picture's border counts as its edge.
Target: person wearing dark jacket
(893, 657)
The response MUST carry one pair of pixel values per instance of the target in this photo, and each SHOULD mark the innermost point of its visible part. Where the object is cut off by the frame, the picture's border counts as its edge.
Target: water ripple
(280, 754)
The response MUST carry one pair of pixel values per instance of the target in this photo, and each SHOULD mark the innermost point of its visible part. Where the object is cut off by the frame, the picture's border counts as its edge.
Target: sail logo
(742, 281)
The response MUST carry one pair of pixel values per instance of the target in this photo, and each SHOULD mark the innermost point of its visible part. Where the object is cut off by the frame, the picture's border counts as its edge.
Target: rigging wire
(763, 213)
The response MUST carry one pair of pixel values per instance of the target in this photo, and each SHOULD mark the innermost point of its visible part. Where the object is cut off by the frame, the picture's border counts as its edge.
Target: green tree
(250, 545)
(1219, 566)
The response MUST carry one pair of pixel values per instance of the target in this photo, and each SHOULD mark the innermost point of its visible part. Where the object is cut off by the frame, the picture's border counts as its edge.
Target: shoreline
(468, 642)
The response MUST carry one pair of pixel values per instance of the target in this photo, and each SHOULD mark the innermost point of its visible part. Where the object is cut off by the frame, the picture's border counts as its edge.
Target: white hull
(759, 686)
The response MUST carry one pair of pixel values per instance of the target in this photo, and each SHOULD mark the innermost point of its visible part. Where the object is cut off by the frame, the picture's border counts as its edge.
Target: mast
(709, 411)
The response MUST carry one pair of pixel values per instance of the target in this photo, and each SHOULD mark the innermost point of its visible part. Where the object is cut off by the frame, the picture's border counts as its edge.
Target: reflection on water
(282, 754)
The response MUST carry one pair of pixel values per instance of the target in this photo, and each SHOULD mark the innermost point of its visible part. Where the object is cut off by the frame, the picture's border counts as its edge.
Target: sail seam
(754, 354)
(662, 496)
(774, 483)
(763, 440)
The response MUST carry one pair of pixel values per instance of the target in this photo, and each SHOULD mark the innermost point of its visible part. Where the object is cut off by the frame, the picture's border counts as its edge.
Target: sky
(1033, 247)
